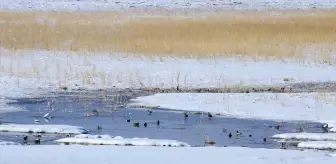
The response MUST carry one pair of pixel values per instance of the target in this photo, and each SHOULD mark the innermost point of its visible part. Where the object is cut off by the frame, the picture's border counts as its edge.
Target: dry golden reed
(263, 33)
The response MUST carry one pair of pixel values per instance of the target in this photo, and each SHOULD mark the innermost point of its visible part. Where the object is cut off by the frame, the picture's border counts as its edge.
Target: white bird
(46, 120)
(47, 116)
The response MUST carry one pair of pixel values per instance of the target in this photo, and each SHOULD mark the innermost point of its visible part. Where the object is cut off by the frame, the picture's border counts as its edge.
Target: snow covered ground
(154, 155)
(321, 145)
(307, 136)
(25, 128)
(3, 143)
(108, 140)
(30, 73)
(318, 107)
(124, 4)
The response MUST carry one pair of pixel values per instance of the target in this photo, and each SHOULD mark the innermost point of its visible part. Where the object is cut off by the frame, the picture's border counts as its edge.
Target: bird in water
(209, 115)
(264, 139)
(95, 112)
(325, 128)
(208, 141)
(230, 135)
(238, 133)
(47, 116)
(25, 139)
(136, 124)
(186, 115)
(37, 141)
(99, 128)
(301, 129)
(149, 112)
(128, 120)
(250, 135)
(145, 124)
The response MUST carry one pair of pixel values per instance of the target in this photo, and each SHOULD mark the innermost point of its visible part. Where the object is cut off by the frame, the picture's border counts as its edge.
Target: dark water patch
(72, 108)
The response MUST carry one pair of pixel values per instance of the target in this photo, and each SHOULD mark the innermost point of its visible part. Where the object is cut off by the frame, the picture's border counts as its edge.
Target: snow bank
(154, 155)
(119, 141)
(107, 70)
(4, 143)
(274, 106)
(321, 145)
(307, 136)
(22, 77)
(14, 87)
(124, 4)
(59, 129)
(93, 136)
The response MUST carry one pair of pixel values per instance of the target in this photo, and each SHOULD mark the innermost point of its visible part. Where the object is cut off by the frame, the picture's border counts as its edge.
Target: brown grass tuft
(264, 33)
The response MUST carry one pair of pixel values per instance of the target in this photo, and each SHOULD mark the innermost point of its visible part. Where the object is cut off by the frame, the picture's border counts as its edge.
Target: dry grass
(264, 33)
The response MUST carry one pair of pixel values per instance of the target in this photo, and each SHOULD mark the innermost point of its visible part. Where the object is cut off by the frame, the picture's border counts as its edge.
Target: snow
(80, 5)
(318, 107)
(5, 143)
(307, 136)
(120, 141)
(22, 77)
(94, 136)
(321, 145)
(125, 71)
(60, 129)
(153, 155)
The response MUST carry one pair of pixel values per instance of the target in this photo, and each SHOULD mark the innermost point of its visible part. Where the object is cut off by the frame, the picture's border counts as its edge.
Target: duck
(25, 139)
(95, 112)
(209, 115)
(301, 129)
(149, 112)
(208, 141)
(99, 128)
(238, 133)
(325, 127)
(186, 115)
(37, 141)
(136, 124)
(47, 116)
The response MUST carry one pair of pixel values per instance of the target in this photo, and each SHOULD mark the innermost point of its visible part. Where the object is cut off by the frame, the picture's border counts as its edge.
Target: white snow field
(29, 73)
(307, 136)
(154, 155)
(104, 136)
(120, 141)
(318, 107)
(3, 143)
(124, 4)
(320, 145)
(26, 128)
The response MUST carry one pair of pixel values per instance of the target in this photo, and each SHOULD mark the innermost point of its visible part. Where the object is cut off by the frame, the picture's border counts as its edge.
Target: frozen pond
(70, 108)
